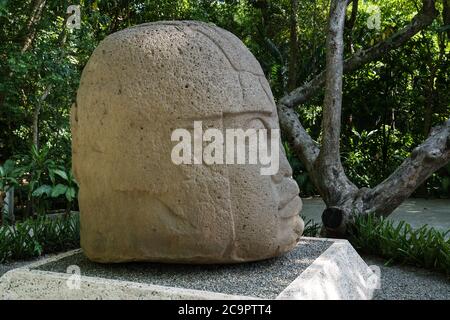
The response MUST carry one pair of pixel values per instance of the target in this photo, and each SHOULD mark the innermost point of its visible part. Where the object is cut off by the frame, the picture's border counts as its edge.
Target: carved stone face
(136, 204)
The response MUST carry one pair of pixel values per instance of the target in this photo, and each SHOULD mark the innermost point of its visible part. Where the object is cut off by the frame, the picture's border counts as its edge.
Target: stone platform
(315, 269)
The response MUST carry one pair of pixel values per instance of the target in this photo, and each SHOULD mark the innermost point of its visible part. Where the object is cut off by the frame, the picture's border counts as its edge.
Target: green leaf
(12, 181)
(41, 190)
(61, 173)
(444, 28)
(446, 184)
(70, 194)
(58, 190)
(51, 174)
(8, 166)
(356, 133)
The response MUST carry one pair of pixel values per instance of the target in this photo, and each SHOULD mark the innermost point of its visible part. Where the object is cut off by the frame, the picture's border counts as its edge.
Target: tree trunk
(35, 126)
(350, 23)
(62, 38)
(2, 197)
(293, 47)
(429, 97)
(328, 162)
(33, 20)
(446, 15)
(27, 36)
(343, 199)
(37, 110)
(7, 206)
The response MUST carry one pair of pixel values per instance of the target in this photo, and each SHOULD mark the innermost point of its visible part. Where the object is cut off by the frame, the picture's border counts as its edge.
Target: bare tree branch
(293, 46)
(33, 20)
(332, 104)
(425, 159)
(303, 145)
(62, 38)
(420, 21)
(446, 15)
(342, 197)
(36, 112)
(328, 166)
(350, 23)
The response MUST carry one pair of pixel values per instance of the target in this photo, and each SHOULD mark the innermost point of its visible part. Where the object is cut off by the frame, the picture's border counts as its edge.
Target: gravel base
(5, 267)
(264, 279)
(409, 283)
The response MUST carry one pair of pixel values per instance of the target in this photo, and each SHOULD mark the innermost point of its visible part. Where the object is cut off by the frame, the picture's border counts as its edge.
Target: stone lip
(315, 269)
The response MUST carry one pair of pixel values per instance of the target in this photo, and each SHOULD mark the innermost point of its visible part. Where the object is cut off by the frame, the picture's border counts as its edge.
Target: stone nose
(287, 191)
(285, 170)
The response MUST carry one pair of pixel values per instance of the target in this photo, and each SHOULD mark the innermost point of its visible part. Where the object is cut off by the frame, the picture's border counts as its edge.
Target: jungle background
(389, 105)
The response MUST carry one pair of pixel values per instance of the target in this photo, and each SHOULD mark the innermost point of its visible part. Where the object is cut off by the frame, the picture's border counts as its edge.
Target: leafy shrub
(48, 179)
(299, 173)
(9, 175)
(397, 242)
(41, 182)
(400, 243)
(34, 237)
(387, 146)
(439, 183)
(311, 228)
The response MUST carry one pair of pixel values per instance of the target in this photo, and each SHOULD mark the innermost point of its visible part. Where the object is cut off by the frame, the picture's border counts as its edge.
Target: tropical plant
(400, 243)
(47, 179)
(67, 187)
(9, 176)
(397, 242)
(34, 237)
(311, 228)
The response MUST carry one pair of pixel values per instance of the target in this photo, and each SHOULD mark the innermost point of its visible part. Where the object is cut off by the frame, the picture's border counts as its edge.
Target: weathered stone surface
(136, 205)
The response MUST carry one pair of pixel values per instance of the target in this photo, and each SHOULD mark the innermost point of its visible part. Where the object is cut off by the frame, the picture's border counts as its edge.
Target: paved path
(416, 212)
(409, 283)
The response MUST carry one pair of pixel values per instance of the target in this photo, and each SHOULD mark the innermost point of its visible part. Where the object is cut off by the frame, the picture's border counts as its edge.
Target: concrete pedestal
(316, 269)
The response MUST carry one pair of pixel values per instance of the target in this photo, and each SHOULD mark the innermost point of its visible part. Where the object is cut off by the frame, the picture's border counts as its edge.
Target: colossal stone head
(136, 204)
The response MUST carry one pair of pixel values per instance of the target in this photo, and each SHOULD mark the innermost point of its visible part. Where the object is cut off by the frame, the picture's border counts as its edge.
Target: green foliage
(371, 156)
(300, 174)
(311, 229)
(42, 235)
(42, 181)
(439, 183)
(398, 242)
(388, 105)
(9, 175)
(39, 169)
(46, 179)
(67, 188)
